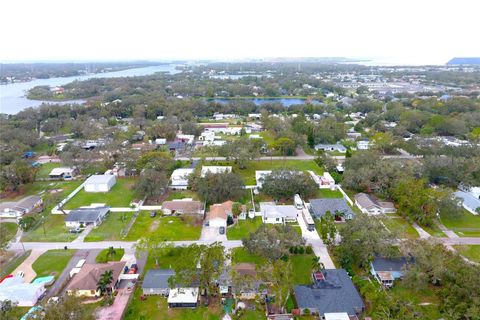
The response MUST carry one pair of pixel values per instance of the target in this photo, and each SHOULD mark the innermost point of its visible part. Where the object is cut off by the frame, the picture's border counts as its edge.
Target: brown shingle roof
(246, 269)
(87, 278)
(220, 210)
(184, 206)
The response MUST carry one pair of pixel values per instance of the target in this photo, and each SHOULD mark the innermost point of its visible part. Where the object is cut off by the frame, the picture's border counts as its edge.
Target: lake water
(286, 102)
(13, 100)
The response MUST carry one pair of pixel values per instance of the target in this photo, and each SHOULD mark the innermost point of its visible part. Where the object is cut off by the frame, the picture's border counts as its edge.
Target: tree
(14, 175)
(279, 275)
(272, 242)
(6, 310)
(284, 184)
(362, 238)
(285, 146)
(317, 265)
(104, 282)
(384, 142)
(26, 223)
(154, 246)
(242, 150)
(328, 230)
(67, 307)
(219, 187)
(152, 183)
(110, 253)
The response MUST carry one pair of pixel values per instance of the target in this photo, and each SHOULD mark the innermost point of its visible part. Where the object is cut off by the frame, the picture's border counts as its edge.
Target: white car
(20, 274)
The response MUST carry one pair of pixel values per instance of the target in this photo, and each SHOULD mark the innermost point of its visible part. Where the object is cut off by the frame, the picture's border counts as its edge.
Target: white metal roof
(183, 295)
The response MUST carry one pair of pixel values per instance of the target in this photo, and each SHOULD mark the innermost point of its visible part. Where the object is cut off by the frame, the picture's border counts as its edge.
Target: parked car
(20, 274)
(153, 214)
(75, 230)
(222, 230)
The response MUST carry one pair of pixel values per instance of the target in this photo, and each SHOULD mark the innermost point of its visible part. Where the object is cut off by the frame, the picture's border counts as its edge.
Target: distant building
(370, 205)
(179, 178)
(99, 183)
(363, 145)
(331, 147)
(469, 201)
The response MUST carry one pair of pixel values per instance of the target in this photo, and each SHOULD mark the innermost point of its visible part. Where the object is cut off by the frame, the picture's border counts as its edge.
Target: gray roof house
(331, 147)
(469, 202)
(21, 207)
(86, 216)
(386, 270)
(332, 292)
(156, 282)
(319, 207)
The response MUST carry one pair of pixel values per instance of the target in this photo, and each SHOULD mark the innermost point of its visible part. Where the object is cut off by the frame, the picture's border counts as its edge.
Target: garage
(99, 183)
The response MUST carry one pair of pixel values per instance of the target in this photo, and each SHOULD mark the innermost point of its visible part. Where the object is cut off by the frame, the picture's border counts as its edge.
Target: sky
(396, 31)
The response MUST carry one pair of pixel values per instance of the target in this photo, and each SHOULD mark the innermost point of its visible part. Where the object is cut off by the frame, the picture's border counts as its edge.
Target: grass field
(241, 254)
(120, 195)
(248, 173)
(38, 186)
(52, 230)
(470, 252)
(468, 225)
(102, 256)
(180, 194)
(8, 230)
(242, 228)
(399, 225)
(52, 262)
(327, 193)
(112, 228)
(172, 228)
(434, 231)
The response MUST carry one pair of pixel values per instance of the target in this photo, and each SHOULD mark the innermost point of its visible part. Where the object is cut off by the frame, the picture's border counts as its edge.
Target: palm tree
(110, 253)
(317, 265)
(104, 282)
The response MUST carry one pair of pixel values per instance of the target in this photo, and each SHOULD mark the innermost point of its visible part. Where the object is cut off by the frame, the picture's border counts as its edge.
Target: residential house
(363, 145)
(24, 206)
(387, 270)
(338, 207)
(272, 213)
(183, 298)
(85, 282)
(23, 294)
(215, 170)
(469, 202)
(179, 178)
(332, 291)
(370, 205)
(218, 214)
(185, 138)
(63, 173)
(249, 288)
(86, 216)
(177, 146)
(324, 181)
(255, 116)
(160, 141)
(331, 147)
(99, 183)
(182, 206)
(156, 282)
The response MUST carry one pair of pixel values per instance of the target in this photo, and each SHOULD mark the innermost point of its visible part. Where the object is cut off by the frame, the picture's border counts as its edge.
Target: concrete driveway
(212, 234)
(26, 266)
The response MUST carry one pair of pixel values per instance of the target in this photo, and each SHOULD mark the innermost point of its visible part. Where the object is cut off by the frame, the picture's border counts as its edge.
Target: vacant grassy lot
(181, 194)
(468, 225)
(37, 187)
(120, 195)
(241, 254)
(242, 228)
(470, 252)
(399, 225)
(327, 193)
(53, 229)
(248, 173)
(112, 228)
(102, 256)
(172, 228)
(52, 262)
(8, 230)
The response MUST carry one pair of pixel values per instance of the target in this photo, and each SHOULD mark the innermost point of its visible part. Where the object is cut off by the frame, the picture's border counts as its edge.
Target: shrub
(309, 250)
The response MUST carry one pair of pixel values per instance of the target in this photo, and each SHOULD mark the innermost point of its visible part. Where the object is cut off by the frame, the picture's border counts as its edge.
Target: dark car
(153, 214)
(222, 230)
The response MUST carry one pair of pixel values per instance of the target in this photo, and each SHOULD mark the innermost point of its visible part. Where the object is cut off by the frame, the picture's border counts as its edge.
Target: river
(13, 100)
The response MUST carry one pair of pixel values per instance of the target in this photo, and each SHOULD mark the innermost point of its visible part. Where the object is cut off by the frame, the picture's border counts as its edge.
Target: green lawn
(167, 261)
(242, 228)
(120, 195)
(248, 173)
(241, 254)
(52, 262)
(470, 252)
(45, 169)
(8, 230)
(53, 229)
(468, 225)
(434, 231)
(10, 266)
(267, 136)
(327, 193)
(38, 186)
(302, 266)
(180, 194)
(112, 228)
(172, 228)
(102, 256)
(156, 307)
(397, 224)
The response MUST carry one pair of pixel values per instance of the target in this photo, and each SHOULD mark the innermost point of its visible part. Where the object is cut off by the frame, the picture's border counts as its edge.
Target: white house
(86, 216)
(271, 213)
(215, 170)
(63, 173)
(255, 116)
(23, 294)
(260, 176)
(207, 136)
(218, 214)
(363, 145)
(160, 141)
(179, 178)
(372, 206)
(183, 298)
(21, 207)
(331, 147)
(99, 183)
